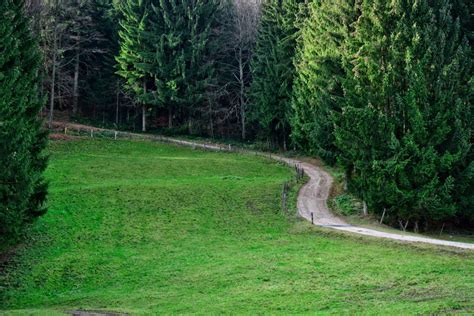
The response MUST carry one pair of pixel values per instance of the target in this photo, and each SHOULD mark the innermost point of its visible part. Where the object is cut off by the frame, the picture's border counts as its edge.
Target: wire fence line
(101, 133)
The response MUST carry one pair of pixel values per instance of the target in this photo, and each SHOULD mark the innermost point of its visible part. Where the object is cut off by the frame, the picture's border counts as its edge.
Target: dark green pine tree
(135, 47)
(404, 134)
(99, 81)
(182, 62)
(317, 90)
(22, 138)
(273, 70)
(464, 186)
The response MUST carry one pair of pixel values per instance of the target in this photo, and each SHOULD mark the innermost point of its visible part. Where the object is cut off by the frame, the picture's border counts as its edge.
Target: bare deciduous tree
(243, 20)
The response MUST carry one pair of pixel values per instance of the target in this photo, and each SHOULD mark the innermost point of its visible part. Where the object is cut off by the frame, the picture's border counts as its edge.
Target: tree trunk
(210, 119)
(346, 186)
(53, 79)
(364, 210)
(383, 215)
(170, 118)
(144, 110)
(75, 100)
(242, 94)
(143, 118)
(416, 228)
(117, 104)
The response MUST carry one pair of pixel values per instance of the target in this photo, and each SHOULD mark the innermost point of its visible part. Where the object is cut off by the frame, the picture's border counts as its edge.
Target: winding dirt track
(312, 198)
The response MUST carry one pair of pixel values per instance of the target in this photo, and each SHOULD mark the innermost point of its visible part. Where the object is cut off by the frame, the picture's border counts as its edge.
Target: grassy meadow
(146, 228)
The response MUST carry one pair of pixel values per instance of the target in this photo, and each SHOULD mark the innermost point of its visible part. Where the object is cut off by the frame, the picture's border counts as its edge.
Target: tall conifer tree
(273, 70)
(182, 60)
(317, 91)
(404, 134)
(135, 47)
(22, 138)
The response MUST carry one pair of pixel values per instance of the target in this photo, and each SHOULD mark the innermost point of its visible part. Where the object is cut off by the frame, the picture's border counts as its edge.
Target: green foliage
(148, 229)
(347, 204)
(99, 81)
(22, 139)
(404, 133)
(317, 93)
(166, 54)
(133, 45)
(273, 70)
(182, 62)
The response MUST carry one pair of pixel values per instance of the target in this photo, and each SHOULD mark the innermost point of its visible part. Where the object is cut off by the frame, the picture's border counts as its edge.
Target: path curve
(312, 197)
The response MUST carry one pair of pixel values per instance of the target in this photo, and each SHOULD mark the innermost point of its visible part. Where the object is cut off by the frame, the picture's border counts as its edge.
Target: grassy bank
(147, 228)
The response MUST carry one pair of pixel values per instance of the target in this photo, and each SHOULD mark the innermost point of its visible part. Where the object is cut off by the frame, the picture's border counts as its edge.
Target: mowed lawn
(146, 228)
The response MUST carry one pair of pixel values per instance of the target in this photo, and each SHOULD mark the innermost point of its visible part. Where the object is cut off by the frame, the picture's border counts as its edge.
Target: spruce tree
(22, 138)
(464, 185)
(182, 60)
(273, 70)
(317, 91)
(135, 48)
(404, 132)
(98, 48)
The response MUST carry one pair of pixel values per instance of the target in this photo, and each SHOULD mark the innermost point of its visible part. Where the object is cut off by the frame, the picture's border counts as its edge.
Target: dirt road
(312, 198)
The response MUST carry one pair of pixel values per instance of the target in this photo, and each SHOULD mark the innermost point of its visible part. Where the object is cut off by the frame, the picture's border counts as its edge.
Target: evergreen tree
(317, 91)
(182, 61)
(404, 133)
(95, 57)
(135, 48)
(166, 54)
(464, 186)
(22, 139)
(273, 70)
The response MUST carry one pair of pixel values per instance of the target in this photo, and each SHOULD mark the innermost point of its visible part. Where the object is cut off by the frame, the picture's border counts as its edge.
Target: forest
(383, 89)
(376, 94)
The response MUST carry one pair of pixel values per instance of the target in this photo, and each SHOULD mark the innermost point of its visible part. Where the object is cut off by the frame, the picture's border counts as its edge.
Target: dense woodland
(381, 88)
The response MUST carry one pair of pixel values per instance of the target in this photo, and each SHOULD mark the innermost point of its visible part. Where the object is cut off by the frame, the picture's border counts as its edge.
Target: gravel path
(312, 198)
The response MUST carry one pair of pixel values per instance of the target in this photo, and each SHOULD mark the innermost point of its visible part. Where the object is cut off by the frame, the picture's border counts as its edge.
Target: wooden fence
(92, 132)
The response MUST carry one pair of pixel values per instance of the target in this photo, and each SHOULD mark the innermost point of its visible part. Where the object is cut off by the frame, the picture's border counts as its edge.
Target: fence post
(283, 197)
(312, 218)
(92, 133)
(65, 130)
(115, 135)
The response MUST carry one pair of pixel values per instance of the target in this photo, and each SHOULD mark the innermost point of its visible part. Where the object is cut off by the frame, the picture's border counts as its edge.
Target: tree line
(381, 88)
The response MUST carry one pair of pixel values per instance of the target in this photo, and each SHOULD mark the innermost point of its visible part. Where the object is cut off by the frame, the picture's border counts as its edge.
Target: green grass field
(146, 228)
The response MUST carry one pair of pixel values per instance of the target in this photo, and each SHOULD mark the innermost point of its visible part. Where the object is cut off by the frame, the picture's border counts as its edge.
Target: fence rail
(100, 133)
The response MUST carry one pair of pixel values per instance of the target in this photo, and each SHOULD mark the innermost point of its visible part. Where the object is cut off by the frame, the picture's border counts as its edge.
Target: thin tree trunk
(210, 119)
(53, 79)
(75, 101)
(403, 227)
(143, 118)
(144, 111)
(383, 215)
(364, 210)
(117, 104)
(345, 183)
(170, 118)
(242, 94)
